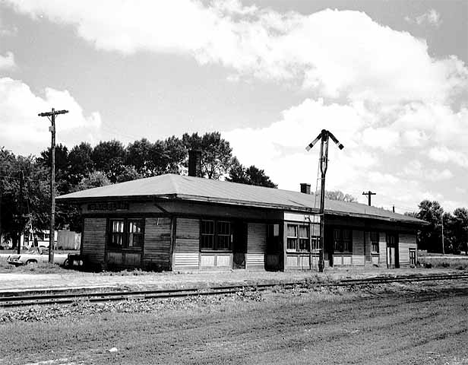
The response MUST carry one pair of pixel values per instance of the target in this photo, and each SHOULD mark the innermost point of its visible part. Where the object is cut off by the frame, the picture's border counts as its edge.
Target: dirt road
(396, 324)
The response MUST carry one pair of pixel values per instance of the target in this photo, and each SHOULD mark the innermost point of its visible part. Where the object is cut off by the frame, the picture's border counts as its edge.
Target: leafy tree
(25, 195)
(430, 236)
(62, 167)
(109, 157)
(459, 227)
(139, 157)
(216, 153)
(81, 163)
(250, 176)
(339, 195)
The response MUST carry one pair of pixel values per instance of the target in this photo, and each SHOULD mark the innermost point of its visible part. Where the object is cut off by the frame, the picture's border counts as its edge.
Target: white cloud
(337, 53)
(432, 17)
(23, 131)
(444, 155)
(7, 62)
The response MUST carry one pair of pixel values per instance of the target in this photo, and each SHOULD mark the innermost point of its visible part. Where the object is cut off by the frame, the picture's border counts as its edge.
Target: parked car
(34, 257)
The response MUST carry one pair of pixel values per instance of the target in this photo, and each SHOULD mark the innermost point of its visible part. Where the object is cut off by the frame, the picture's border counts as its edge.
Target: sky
(389, 78)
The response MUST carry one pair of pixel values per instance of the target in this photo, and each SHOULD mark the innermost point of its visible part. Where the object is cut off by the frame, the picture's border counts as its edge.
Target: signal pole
(323, 161)
(51, 116)
(369, 195)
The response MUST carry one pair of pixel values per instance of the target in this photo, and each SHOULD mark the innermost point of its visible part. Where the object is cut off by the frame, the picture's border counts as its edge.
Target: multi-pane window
(292, 236)
(298, 237)
(215, 235)
(315, 243)
(126, 233)
(342, 240)
(374, 238)
(304, 238)
(136, 233)
(207, 234)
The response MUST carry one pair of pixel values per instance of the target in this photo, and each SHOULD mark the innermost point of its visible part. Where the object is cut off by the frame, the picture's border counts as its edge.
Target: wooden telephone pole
(324, 136)
(369, 195)
(51, 116)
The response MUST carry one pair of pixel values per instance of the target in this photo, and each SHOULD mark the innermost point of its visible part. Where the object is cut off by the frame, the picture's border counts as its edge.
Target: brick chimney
(194, 165)
(305, 188)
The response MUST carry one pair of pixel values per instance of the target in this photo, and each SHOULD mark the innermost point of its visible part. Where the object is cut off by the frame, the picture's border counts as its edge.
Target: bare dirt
(424, 323)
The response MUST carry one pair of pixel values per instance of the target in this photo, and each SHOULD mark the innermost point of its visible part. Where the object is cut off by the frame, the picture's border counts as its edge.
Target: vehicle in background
(34, 257)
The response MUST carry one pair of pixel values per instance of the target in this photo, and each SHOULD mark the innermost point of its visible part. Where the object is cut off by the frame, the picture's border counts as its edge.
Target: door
(392, 251)
(239, 248)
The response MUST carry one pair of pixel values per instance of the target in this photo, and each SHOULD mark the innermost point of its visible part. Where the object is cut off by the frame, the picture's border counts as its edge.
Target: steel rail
(12, 300)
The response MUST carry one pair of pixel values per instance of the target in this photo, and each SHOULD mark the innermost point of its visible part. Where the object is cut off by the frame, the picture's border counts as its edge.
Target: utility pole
(369, 195)
(51, 116)
(21, 213)
(324, 136)
(443, 239)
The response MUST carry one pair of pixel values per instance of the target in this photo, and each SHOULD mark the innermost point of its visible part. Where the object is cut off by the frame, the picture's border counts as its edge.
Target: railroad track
(19, 299)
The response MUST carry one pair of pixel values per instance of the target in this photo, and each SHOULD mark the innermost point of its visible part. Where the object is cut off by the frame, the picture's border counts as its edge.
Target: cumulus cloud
(338, 53)
(24, 132)
(7, 62)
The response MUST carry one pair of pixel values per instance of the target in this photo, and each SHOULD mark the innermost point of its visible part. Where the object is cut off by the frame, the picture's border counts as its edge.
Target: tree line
(25, 181)
(445, 232)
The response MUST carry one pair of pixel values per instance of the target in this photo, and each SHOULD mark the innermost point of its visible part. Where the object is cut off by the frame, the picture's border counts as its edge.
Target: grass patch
(441, 262)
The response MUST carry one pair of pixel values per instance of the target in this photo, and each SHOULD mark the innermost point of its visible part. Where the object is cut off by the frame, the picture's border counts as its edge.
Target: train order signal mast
(324, 137)
(51, 116)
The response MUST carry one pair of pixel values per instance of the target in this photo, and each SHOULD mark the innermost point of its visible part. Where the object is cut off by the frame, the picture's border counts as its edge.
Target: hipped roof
(189, 188)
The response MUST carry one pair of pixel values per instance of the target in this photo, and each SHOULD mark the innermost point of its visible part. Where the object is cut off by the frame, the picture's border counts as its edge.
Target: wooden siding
(255, 261)
(407, 241)
(358, 248)
(382, 250)
(94, 239)
(157, 243)
(298, 261)
(187, 244)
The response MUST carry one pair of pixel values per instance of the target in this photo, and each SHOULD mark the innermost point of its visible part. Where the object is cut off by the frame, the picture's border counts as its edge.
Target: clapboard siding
(94, 239)
(187, 244)
(157, 243)
(406, 242)
(256, 238)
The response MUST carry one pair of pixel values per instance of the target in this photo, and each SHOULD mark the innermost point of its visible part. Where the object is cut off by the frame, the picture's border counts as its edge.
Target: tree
(216, 153)
(109, 157)
(460, 230)
(139, 156)
(62, 167)
(25, 195)
(339, 195)
(81, 163)
(430, 236)
(250, 176)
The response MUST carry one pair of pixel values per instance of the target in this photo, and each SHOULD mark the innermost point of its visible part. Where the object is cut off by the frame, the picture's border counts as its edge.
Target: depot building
(187, 223)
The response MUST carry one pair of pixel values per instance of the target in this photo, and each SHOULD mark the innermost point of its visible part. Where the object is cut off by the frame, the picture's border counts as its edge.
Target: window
(299, 238)
(374, 238)
(292, 236)
(126, 233)
(391, 240)
(342, 240)
(215, 235)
